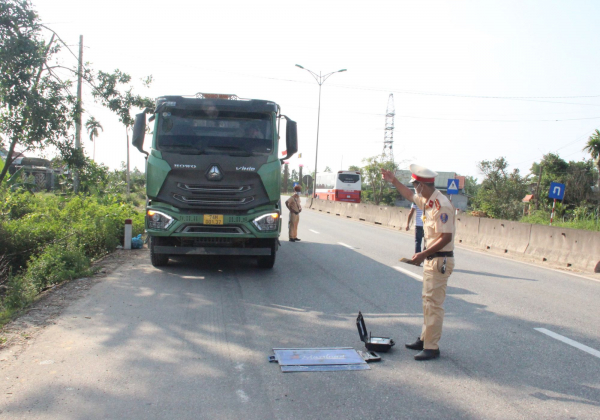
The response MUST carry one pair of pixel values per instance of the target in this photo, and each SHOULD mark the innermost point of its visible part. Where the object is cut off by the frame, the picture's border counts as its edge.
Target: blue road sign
(557, 191)
(452, 186)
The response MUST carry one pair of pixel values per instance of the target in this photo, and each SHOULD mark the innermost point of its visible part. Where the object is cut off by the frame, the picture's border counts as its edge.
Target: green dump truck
(213, 176)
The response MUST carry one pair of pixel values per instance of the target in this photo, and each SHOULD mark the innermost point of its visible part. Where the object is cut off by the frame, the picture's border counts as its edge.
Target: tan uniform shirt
(294, 203)
(438, 218)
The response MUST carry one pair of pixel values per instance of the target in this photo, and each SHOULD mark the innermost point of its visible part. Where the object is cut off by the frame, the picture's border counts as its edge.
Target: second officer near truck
(294, 206)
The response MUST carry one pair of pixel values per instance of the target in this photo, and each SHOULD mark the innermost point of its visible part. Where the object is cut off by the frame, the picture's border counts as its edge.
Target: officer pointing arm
(424, 191)
(438, 224)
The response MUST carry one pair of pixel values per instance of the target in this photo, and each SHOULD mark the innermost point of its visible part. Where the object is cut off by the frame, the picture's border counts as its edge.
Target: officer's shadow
(483, 273)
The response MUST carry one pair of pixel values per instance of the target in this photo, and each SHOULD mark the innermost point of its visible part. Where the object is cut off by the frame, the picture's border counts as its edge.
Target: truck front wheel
(157, 260)
(268, 261)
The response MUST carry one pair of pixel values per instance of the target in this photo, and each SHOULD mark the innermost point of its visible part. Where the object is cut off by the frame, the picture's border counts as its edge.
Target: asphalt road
(191, 340)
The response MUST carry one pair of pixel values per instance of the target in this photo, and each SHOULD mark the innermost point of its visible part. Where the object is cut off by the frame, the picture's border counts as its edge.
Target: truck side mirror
(291, 137)
(139, 132)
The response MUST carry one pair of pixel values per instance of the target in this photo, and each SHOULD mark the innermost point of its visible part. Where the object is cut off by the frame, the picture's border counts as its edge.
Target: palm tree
(92, 126)
(593, 148)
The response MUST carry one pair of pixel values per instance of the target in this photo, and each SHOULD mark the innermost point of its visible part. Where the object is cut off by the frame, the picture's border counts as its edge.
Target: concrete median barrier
(338, 208)
(328, 206)
(351, 210)
(503, 236)
(564, 247)
(345, 209)
(557, 247)
(315, 204)
(362, 213)
(467, 230)
(398, 216)
(382, 215)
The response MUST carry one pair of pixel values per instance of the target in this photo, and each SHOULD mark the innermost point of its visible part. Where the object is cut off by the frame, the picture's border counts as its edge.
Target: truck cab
(213, 176)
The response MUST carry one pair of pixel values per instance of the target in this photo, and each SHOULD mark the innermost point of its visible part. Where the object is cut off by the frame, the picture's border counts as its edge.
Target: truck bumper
(196, 250)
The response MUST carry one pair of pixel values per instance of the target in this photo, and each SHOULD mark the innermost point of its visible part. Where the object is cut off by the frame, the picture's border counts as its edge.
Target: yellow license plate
(213, 219)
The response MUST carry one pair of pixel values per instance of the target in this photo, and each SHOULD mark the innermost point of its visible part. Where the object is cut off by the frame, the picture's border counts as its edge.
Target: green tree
(581, 176)
(593, 148)
(107, 91)
(355, 168)
(471, 188)
(501, 192)
(285, 177)
(378, 189)
(92, 125)
(327, 169)
(578, 178)
(35, 106)
(554, 169)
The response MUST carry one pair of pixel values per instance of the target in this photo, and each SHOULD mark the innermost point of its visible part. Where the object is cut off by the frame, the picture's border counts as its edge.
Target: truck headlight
(158, 220)
(267, 222)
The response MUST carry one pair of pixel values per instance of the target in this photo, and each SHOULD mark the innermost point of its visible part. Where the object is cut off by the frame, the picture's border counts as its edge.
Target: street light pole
(320, 79)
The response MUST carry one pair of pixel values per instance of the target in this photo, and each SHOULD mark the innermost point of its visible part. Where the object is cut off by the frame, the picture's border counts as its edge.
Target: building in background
(459, 201)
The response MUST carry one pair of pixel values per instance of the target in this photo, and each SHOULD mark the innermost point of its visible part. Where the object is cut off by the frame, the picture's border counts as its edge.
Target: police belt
(440, 254)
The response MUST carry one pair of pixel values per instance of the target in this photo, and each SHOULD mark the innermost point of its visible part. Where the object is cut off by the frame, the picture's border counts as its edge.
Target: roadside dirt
(22, 331)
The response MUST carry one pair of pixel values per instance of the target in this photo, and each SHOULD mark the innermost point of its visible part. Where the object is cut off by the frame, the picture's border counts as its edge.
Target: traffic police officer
(439, 232)
(294, 206)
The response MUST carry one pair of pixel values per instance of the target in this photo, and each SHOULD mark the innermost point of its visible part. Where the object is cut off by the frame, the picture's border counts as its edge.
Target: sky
(472, 80)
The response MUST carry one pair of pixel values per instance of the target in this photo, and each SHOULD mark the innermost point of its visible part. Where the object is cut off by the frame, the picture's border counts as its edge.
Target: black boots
(424, 354)
(428, 354)
(417, 345)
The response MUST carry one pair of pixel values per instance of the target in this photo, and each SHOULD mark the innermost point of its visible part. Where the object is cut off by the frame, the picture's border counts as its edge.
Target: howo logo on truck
(245, 168)
(184, 166)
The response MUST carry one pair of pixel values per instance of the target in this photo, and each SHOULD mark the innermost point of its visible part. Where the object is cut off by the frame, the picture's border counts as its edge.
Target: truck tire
(157, 260)
(267, 261)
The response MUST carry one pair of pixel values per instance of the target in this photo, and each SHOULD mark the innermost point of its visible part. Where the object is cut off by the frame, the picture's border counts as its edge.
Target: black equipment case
(381, 344)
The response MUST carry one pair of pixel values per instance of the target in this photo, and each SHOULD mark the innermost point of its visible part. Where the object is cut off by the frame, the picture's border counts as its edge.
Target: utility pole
(388, 138)
(78, 110)
(537, 190)
(320, 78)
(128, 176)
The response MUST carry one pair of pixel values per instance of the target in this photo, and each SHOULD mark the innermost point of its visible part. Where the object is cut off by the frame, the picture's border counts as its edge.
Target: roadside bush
(46, 239)
(54, 265)
(579, 219)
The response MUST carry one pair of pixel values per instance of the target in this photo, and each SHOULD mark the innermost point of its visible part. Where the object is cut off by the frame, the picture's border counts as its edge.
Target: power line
(462, 119)
(459, 95)
(408, 92)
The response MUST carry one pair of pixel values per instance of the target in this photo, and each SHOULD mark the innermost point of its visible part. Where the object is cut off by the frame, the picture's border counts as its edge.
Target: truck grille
(213, 201)
(207, 242)
(224, 189)
(238, 191)
(233, 230)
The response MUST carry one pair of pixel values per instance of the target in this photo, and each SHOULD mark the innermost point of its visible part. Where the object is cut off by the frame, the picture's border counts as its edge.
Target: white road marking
(570, 342)
(314, 231)
(347, 246)
(242, 396)
(408, 273)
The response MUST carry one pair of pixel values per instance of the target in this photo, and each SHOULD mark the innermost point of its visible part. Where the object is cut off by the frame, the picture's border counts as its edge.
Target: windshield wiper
(230, 150)
(182, 147)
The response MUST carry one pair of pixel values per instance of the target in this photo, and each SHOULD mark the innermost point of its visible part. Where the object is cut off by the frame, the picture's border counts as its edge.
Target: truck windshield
(231, 133)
